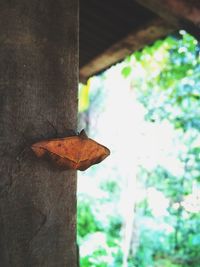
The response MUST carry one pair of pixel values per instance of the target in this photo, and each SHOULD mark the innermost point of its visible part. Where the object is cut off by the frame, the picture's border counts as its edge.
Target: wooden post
(38, 87)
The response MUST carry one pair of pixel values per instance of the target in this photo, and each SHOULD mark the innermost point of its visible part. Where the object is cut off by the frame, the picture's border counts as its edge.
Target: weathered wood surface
(184, 14)
(38, 85)
(136, 40)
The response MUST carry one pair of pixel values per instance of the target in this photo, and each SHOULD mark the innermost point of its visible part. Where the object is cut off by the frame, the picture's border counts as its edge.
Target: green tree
(166, 78)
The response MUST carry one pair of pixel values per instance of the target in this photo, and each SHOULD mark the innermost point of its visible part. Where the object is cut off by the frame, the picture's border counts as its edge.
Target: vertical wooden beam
(38, 85)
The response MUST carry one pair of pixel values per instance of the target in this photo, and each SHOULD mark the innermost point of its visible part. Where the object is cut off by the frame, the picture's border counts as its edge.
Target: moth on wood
(75, 152)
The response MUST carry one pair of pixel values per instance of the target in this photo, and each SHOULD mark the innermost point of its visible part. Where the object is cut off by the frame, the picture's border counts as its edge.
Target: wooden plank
(134, 41)
(38, 87)
(183, 14)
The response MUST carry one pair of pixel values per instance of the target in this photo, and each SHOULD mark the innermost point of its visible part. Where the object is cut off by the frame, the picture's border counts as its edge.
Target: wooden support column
(38, 89)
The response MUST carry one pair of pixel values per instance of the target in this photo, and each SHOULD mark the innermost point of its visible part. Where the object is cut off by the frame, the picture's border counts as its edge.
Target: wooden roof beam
(184, 14)
(136, 40)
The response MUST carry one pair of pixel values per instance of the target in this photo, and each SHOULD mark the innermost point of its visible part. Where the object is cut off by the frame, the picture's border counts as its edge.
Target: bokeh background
(140, 207)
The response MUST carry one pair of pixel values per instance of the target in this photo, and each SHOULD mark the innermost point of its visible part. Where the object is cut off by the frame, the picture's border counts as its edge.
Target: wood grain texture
(38, 87)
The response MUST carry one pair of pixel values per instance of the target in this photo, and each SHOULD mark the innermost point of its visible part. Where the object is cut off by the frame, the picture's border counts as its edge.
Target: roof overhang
(110, 30)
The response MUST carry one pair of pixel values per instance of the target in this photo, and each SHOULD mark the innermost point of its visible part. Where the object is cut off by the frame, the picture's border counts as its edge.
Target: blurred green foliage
(166, 80)
(87, 221)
